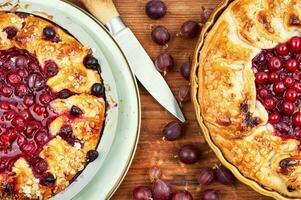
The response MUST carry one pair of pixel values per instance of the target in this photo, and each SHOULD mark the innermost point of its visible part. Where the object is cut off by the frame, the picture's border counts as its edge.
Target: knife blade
(139, 61)
(143, 67)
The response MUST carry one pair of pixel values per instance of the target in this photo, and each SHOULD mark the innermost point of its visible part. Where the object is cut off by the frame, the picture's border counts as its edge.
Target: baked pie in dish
(248, 87)
(52, 107)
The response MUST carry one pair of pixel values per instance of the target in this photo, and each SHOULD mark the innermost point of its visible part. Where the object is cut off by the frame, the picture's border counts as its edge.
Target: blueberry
(49, 32)
(64, 94)
(97, 89)
(92, 155)
(75, 111)
(91, 62)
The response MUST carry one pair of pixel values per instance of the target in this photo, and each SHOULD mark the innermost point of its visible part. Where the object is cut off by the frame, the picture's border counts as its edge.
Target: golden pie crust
(64, 160)
(237, 122)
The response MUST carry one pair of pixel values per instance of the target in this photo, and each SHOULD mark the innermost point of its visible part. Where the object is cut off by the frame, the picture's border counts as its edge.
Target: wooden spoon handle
(103, 10)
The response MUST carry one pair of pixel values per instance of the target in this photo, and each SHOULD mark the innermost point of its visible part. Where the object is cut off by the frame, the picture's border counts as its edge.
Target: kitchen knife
(141, 64)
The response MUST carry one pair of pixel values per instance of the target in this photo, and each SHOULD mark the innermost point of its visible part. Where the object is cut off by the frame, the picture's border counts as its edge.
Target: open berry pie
(52, 107)
(249, 91)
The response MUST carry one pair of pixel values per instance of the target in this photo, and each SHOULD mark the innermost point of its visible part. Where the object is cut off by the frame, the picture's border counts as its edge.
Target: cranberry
(22, 62)
(23, 73)
(263, 93)
(291, 65)
(13, 78)
(295, 44)
(282, 49)
(49, 32)
(291, 95)
(288, 82)
(274, 118)
(10, 115)
(297, 119)
(261, 77)
(28, 100)
(41, 137)
(11, 31)
(45, 98)
(4, 105)
(51, 68)
(274, 64)
(19, 123)
(32, 128)
(273, 77)
(21, 90)
(297, 85)
(279, 87)
(28, 148)
(287, 108)
(39, 109)
(39, 165)
(25, 114)
(269, 103)
(6, 91)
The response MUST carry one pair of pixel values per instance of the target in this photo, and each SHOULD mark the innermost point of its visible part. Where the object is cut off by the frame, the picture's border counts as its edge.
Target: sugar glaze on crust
(237, 122)
(77, 110)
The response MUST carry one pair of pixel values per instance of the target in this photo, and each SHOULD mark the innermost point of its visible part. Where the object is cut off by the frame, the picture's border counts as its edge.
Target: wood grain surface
(152, 149)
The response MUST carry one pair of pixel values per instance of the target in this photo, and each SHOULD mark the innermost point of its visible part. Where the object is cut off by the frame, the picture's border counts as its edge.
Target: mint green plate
(121, 133)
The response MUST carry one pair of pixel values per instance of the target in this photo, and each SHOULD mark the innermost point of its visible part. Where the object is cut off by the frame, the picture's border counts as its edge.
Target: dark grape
(155, 9)
(205, 14)
(188, 154)
(182, 195)
(162, 190)
(155, 173)
(142, 193)
(190, 29)
(160, 35)
(164, 63)
(224, 175)
(184, 93)
(210, 194)
(185, 69)
(172, 130)
(206, 176)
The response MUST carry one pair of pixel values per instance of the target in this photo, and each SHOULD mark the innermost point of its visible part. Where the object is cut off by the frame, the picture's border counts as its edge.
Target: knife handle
(103, 10)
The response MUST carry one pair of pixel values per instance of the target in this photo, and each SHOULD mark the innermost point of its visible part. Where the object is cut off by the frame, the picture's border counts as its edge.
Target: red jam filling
(25, 113)
(278, 86)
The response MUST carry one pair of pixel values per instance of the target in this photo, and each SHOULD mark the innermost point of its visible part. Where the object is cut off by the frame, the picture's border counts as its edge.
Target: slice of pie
(52, 107)
(249, 91)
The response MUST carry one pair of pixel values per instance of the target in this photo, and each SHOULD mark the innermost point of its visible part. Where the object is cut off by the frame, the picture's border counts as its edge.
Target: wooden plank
(152, 149)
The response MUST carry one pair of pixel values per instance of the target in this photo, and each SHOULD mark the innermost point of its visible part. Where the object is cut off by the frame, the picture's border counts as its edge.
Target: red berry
(45, 98)
(295, 44)
(13, 78)
(4, 105)
(274, 64)
(291, 95)
(279, 87)
(291, 65)
(19, 123)
(261, 77)
(297, 85)
(263, 93)
(28, 101)
(288, 82)
(10, 115)
(274, 118)
(297, 119)
(6, 91)
(269, 103)
(282, 49)
(287, 108)
(39, 109)
(273, 77)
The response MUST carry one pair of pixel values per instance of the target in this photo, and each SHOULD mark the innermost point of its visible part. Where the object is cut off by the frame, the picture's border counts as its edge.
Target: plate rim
(134, 149)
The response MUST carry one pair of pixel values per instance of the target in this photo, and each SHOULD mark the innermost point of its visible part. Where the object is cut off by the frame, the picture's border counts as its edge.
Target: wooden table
(152, 150)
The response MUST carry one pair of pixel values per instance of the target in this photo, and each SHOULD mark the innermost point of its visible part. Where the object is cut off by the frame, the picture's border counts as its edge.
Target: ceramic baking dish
(194, 94)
